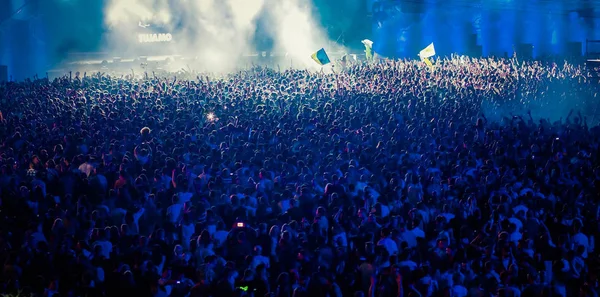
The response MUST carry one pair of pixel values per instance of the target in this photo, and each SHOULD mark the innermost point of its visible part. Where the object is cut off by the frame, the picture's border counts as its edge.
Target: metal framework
(589, 54)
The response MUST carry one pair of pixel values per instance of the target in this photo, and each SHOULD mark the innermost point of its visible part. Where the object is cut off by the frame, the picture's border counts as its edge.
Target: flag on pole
(368, 49)
(428, 62)
(427, 52)
(321, 57)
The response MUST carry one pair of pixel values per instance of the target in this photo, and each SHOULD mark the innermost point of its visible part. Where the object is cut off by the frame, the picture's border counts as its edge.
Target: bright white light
(210, 116)
(219, 32)
(151, 38)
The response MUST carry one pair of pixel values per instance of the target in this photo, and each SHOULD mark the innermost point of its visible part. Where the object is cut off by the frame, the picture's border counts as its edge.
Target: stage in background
(535, 29)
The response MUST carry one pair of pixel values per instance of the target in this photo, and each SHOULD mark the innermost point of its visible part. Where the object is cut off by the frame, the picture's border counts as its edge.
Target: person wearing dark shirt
(339, 157)
(226, 286)
(294, 212)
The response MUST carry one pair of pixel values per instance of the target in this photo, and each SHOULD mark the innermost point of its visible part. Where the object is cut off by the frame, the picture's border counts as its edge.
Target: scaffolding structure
(592, 49)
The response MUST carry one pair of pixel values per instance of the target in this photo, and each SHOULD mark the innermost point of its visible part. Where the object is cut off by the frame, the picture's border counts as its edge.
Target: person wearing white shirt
(517, 222)
(162, 181)
(284, 204)
(448, 216)
(519, 208)
(321, 219)
(174, 212)
(86, 168)
(136, 218)
(409, 237)
(37, 236)
(36, 182)
(581, 239)
(578, 263)
(459, 291)
(388, 243)
(259, 259)
(418, 232)
(446, 279)
(515, 235)
(411, 265)
(340, 239)
(205, 176)
(104, 243)
(204, 247)
(407, 262)
(220, 235)
(184, 197)
(187, 230)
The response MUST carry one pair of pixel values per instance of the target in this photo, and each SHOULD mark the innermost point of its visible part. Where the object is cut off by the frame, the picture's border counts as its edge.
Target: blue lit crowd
(383, 179)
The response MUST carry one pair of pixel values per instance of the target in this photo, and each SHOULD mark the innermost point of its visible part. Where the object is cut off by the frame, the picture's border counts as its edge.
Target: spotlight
(210, 116)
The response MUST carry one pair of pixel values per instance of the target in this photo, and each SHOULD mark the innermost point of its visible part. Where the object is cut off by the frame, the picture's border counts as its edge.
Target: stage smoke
(217, 32)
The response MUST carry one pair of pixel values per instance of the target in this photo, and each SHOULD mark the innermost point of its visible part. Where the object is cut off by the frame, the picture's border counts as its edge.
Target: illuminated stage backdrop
(489, 28)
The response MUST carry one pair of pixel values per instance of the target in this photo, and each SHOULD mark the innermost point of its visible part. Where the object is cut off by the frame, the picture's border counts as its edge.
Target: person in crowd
(383, 179)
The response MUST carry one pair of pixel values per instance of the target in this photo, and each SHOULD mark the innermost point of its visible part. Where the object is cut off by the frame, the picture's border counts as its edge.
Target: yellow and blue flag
(321, 57)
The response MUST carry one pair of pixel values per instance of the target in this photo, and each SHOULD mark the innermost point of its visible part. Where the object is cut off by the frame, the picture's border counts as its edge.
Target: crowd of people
(382, 179)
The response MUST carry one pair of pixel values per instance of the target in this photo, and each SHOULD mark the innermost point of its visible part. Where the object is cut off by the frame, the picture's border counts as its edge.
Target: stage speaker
(472, 40)
(475, 51)
(525, 51)
(574, 49)
(3, 73)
